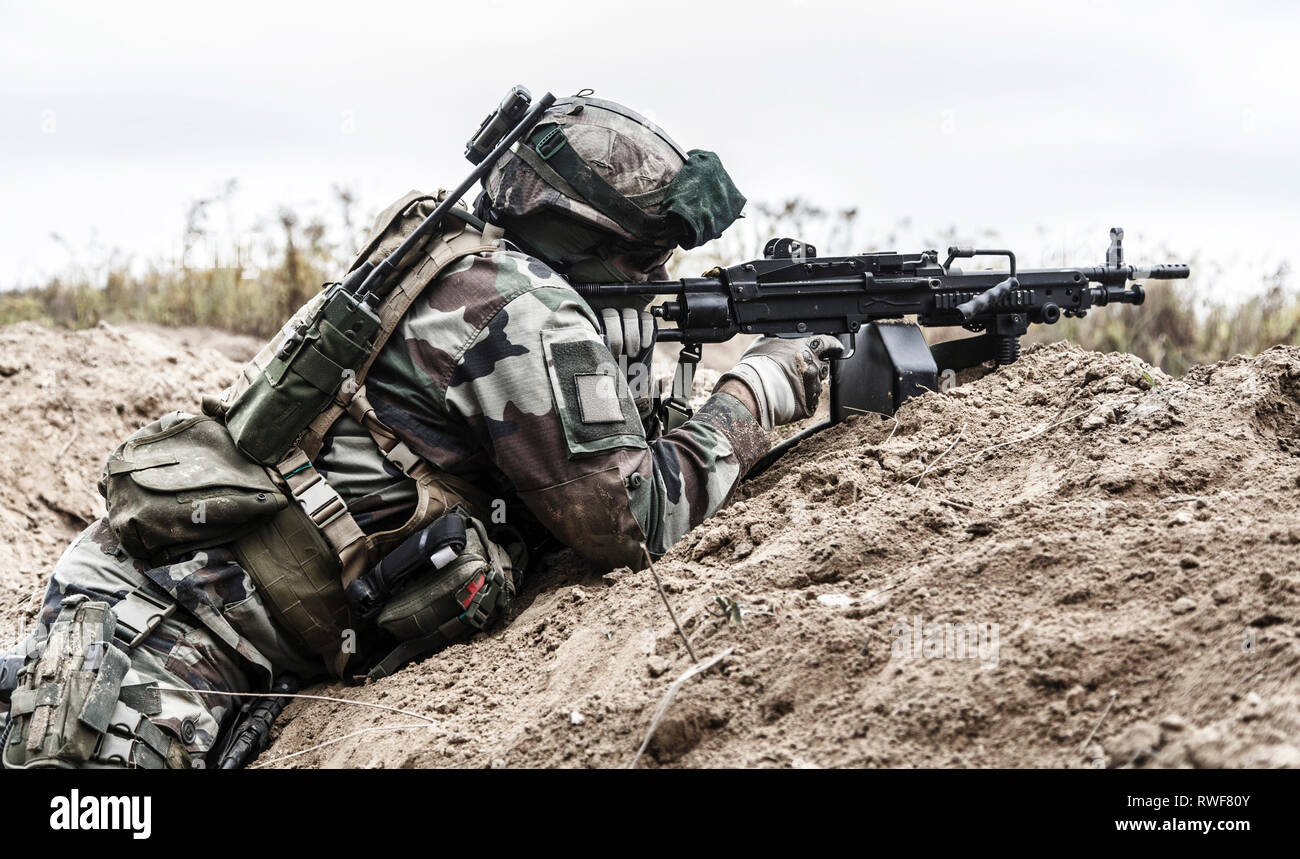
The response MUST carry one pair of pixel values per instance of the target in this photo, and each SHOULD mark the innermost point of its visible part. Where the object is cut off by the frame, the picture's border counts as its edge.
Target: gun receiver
(791, 292)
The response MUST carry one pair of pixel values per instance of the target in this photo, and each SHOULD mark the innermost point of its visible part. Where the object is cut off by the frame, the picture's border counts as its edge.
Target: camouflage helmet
(596, 178)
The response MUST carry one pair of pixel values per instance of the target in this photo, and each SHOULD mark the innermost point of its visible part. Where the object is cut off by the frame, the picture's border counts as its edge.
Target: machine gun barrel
(623, 290)
(1123, 274)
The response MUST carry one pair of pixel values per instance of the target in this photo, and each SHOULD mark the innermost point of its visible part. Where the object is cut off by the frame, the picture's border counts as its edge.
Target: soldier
(495, 392)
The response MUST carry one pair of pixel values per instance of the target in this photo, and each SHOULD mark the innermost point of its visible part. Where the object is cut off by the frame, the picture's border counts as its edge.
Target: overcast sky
(1047, 123)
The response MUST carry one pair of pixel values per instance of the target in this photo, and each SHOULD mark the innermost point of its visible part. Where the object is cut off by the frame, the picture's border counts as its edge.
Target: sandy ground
(68, 399)
(1075, 561)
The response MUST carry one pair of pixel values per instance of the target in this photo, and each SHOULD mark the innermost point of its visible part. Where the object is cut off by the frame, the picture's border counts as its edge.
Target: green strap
(548, 147)
(126, 466)
(408, 651)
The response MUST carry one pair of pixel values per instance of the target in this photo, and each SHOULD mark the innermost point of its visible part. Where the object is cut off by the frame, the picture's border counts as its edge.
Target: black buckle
(675, 406)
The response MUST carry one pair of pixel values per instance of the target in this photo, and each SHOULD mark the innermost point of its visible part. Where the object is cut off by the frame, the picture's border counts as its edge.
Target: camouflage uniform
(499, 375)
(499, 381)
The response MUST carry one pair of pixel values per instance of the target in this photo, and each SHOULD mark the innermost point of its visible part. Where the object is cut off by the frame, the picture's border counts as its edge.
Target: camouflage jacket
(499, 375)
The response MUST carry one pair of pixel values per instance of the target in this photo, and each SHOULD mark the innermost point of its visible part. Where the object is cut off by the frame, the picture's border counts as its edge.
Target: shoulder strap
(324, 506)
(391, 226)
(457, 239)
(436, 490)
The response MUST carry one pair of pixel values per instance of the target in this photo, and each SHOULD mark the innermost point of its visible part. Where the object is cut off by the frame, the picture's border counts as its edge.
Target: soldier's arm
(540, 386)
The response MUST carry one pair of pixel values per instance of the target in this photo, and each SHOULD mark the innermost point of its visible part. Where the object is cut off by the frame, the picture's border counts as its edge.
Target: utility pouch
(297, 574)
(306, 372)
(71, 707)
(179, 484)
(463, 584)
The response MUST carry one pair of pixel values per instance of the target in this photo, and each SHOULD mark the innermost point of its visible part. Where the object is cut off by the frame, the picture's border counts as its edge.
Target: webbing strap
(440, 250)
(436, 491)
(390, 445)
(327, 511)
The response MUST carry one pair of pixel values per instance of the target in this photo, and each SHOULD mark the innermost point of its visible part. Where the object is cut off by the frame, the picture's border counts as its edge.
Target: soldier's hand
(627, 331)
(785, 376)
(629, 334)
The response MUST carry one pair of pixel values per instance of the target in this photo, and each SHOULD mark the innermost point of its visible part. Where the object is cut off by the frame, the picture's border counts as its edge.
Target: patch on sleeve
(591, 396)
(597, 398)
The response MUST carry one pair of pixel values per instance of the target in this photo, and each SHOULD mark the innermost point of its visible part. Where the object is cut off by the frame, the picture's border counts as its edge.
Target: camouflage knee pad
(70, 706)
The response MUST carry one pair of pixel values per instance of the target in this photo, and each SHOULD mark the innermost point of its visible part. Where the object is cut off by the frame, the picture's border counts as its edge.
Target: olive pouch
(446, 603)
(302, 378)
(179, 484)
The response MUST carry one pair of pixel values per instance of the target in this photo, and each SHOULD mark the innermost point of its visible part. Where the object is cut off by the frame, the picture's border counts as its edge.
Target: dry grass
(1175, 329)
(231, 291)
(1181, 324)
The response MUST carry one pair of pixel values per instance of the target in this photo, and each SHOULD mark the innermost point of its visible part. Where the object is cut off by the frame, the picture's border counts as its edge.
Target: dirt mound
(1072, 561)
(68, 398)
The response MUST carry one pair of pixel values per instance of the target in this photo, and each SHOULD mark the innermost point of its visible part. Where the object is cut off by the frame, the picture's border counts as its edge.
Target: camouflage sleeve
(541, 388)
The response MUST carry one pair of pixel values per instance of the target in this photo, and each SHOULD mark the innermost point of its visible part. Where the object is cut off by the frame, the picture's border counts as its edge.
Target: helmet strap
(549, 153)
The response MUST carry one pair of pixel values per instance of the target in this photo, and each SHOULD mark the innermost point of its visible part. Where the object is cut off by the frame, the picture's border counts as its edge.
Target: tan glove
(785, 376)
(627, 331)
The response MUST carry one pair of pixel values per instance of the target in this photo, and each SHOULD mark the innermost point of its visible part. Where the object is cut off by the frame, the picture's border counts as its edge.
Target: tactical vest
(303, 558)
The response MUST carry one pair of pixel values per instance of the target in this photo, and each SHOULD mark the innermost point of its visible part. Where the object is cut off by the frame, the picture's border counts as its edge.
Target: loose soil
(1074, 561)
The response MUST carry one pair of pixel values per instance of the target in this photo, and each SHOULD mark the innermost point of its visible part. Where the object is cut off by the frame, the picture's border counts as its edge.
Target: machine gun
(862, 299)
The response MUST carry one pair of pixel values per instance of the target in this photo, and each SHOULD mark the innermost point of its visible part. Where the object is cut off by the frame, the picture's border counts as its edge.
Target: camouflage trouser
(196, 625)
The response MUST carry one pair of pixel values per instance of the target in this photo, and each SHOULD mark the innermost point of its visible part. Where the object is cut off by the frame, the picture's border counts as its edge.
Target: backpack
(299, 544)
